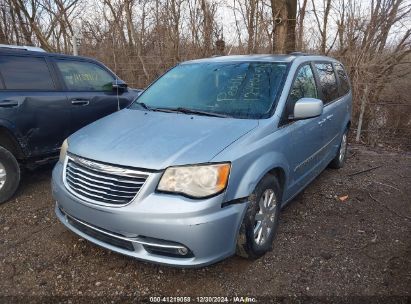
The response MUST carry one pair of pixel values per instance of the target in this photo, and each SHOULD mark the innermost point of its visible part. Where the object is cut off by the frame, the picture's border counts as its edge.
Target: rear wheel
(260, 222)
(9, 174)
(339, 159)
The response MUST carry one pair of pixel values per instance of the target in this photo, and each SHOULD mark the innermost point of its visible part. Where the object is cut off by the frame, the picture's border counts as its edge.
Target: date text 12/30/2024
(236, 299)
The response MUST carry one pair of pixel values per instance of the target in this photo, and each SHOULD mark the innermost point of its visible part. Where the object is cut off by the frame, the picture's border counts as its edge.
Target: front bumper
(208, 231)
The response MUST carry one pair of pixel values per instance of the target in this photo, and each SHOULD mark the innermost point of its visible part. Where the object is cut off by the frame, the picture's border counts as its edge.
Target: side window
(303, 86)
(84, 76)
(328, 82)
(26, 73)
(343, 78)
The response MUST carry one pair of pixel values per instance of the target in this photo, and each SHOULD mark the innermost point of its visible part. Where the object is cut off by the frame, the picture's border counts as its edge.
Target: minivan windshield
(235, 89)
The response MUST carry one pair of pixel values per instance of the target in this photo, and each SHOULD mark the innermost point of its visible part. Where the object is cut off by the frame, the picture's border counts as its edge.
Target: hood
(157, 140)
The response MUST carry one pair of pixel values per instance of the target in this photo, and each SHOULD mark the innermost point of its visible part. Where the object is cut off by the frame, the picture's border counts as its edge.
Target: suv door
(31, 103)
(305, 136)
(333, 108)
(89, 89)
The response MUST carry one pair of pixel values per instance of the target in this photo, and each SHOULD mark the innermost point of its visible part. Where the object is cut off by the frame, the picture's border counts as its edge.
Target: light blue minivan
(199, 166)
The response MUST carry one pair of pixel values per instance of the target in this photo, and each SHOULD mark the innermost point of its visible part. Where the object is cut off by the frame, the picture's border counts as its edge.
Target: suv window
(328, 82)
(303, 86)
(343, 78)
(84, 76)
(25, 73)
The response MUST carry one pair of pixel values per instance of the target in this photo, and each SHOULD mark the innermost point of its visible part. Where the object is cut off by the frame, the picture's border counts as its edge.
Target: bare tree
(323, 24)
(140, 39)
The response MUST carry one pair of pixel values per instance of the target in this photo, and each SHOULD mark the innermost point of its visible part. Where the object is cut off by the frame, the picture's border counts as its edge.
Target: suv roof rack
(22, 47)
(299, 54)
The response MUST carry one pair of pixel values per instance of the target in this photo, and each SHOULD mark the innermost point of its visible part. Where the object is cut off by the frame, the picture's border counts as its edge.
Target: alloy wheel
(3, 175)
(265, 217)
(343, 147)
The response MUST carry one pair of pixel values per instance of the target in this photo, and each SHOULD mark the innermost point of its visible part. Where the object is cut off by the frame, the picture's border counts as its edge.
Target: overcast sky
(227, 18)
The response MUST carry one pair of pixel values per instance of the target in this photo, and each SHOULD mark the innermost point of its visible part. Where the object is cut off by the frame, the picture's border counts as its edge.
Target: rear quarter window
(343, 78)
(328, 82)
(25, 73)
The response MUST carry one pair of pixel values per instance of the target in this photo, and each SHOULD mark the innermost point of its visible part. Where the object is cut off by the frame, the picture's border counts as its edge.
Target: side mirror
(119, 85)
(307, 108)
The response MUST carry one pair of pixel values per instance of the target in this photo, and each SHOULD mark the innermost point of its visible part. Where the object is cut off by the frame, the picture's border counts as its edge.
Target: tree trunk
(301, 25)
(284, 14)
(362, 111)
(207, 28)
(325, 26)
(251, 26)
(291, 22)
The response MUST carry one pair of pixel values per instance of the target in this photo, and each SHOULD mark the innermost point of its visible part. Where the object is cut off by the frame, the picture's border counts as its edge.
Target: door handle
(329, 117)
(80, 102)
(6, 103)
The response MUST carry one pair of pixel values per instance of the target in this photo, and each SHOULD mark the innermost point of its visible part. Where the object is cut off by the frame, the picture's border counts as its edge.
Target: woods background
(140, 39)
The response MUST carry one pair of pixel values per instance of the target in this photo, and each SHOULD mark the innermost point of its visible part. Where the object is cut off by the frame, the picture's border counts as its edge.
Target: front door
(306, 137)
(32, 105)
(90, 91)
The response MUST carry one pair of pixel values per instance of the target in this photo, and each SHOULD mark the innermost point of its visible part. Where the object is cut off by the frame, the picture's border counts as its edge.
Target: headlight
(63, 151)
(195, 181)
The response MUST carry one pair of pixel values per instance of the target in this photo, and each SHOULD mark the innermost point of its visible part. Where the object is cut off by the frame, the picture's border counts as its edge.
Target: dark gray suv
(44, 98)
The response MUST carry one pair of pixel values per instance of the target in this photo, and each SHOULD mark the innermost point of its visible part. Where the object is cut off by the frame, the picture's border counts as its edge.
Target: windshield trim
(268, 114)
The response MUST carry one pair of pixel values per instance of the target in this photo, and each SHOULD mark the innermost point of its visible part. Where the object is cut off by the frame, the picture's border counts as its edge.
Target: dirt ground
(325, 247)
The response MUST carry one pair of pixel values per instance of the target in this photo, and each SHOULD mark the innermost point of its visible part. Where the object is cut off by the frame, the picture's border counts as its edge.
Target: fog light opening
(182, 251)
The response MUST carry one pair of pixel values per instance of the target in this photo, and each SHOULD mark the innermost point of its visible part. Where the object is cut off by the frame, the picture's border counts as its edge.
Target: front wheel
(339, 159)
(260, 222)
(9, 174)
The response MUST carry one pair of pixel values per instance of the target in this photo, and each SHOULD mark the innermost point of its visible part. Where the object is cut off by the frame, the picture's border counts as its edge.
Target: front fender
(15, 134)
(253, 156)
(247, 172)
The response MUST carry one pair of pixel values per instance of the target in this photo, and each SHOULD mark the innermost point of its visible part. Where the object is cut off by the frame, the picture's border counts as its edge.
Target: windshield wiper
(167, 110)
(190, 111)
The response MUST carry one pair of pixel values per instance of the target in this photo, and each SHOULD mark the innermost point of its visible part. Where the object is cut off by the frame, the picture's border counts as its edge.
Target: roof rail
(22, 47)
(299, 54)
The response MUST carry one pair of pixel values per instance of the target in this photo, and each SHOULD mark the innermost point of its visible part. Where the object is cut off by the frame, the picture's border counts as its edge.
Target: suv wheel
(9, 174)
(339, 159)
(260, 222)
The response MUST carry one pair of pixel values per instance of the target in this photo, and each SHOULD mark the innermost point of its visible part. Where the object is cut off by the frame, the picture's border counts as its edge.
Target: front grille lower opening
(123, 244)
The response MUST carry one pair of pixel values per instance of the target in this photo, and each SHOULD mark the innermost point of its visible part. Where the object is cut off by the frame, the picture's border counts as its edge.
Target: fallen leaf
(343, 198)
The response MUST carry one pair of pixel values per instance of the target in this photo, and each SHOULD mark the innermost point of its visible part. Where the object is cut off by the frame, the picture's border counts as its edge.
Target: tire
(9, 175)
(248, 243)
(339, 159)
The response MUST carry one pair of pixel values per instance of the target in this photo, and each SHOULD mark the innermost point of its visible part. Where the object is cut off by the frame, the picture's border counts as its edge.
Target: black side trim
(235, 201)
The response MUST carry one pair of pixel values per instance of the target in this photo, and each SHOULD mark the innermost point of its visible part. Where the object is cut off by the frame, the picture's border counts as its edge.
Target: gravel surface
(326, 246)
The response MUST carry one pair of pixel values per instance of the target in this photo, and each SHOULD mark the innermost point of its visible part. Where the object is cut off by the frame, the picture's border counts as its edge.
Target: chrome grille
(100, 183)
